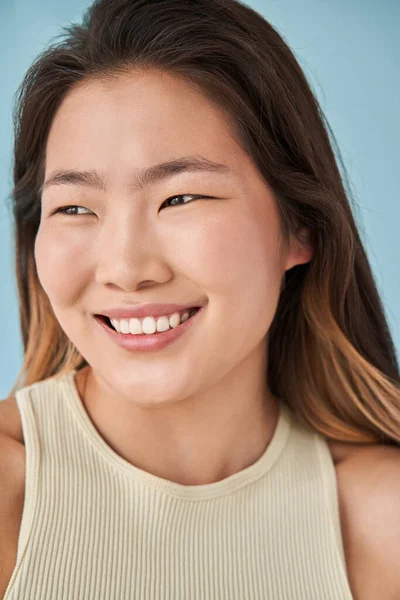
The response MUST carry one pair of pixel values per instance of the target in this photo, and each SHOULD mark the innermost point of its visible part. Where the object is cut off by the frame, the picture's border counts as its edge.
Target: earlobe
(301, 248)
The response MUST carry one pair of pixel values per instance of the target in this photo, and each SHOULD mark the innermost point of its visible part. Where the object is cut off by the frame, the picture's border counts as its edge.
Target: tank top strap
(309, 446)
(32, 465)
(330, 486)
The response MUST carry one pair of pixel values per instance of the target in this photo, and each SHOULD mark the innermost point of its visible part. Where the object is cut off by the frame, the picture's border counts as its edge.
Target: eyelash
(62, 210)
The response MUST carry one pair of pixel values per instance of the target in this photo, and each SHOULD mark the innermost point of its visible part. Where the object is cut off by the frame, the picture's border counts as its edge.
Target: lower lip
(149, 342)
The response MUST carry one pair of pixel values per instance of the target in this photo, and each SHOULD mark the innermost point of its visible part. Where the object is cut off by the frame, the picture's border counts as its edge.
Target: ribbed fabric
(95, 527)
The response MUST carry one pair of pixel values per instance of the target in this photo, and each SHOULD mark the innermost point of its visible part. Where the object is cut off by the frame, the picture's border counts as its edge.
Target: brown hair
(331, 355)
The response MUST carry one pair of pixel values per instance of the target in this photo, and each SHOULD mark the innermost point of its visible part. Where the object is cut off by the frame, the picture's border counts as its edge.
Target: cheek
(235, 262)
(59, 265)
(239, 252)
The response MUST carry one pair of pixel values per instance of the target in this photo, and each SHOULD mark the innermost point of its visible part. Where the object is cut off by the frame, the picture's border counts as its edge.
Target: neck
(198, 440)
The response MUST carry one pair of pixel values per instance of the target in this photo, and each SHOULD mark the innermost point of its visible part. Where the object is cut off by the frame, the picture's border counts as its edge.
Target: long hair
(331, 355)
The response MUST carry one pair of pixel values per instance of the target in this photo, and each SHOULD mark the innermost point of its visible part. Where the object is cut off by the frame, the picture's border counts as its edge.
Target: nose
(129, 253)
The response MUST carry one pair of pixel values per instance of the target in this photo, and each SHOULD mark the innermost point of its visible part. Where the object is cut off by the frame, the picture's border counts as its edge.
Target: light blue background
(350, 52)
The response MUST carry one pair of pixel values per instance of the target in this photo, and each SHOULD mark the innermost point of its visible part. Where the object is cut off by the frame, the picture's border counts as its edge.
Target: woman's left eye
(173, 201)
(63, 210)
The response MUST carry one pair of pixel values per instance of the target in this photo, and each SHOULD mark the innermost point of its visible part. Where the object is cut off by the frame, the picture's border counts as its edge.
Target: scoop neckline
(222, 487)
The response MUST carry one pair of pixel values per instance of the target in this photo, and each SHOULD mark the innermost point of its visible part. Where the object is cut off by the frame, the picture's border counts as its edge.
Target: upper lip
(144, 310)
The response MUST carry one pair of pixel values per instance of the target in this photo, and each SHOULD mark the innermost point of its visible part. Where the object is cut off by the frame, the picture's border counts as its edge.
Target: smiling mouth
(107, 321)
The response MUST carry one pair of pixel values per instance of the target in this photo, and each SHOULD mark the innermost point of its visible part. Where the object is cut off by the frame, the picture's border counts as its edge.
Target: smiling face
(126, 245)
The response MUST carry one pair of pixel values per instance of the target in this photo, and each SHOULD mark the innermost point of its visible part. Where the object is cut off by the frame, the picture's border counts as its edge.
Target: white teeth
(135, 326)
(162, 324)
(174, 320)
(115, 324)
(150, 325)
(124, 326)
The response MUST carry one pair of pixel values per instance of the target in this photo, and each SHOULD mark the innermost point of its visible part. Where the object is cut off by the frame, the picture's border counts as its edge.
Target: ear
(301, 248)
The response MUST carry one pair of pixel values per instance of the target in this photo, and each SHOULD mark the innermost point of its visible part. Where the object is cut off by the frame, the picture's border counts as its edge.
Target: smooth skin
(225, 251)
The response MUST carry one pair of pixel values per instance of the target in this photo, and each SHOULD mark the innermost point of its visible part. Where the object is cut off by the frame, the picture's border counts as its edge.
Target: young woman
(209, 405)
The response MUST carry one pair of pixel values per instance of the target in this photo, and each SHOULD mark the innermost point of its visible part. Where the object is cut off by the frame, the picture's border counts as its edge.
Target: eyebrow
(145, 178)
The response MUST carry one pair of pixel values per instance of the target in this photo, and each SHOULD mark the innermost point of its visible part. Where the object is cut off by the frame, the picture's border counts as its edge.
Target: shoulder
(368, 481)
(10, 420)
(12, 487)
(12, 450)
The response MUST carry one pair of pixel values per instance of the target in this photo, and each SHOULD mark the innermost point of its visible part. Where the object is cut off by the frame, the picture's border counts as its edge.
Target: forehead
(138, 119)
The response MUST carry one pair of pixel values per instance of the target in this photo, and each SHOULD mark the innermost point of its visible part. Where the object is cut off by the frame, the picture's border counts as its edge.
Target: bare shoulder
(10, 419)
(12, 487)
(368, 480)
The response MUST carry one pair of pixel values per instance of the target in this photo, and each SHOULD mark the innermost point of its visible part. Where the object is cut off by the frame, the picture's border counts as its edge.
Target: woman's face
(124, 248)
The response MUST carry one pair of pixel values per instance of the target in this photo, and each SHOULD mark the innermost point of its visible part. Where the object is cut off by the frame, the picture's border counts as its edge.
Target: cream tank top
(95, 527)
